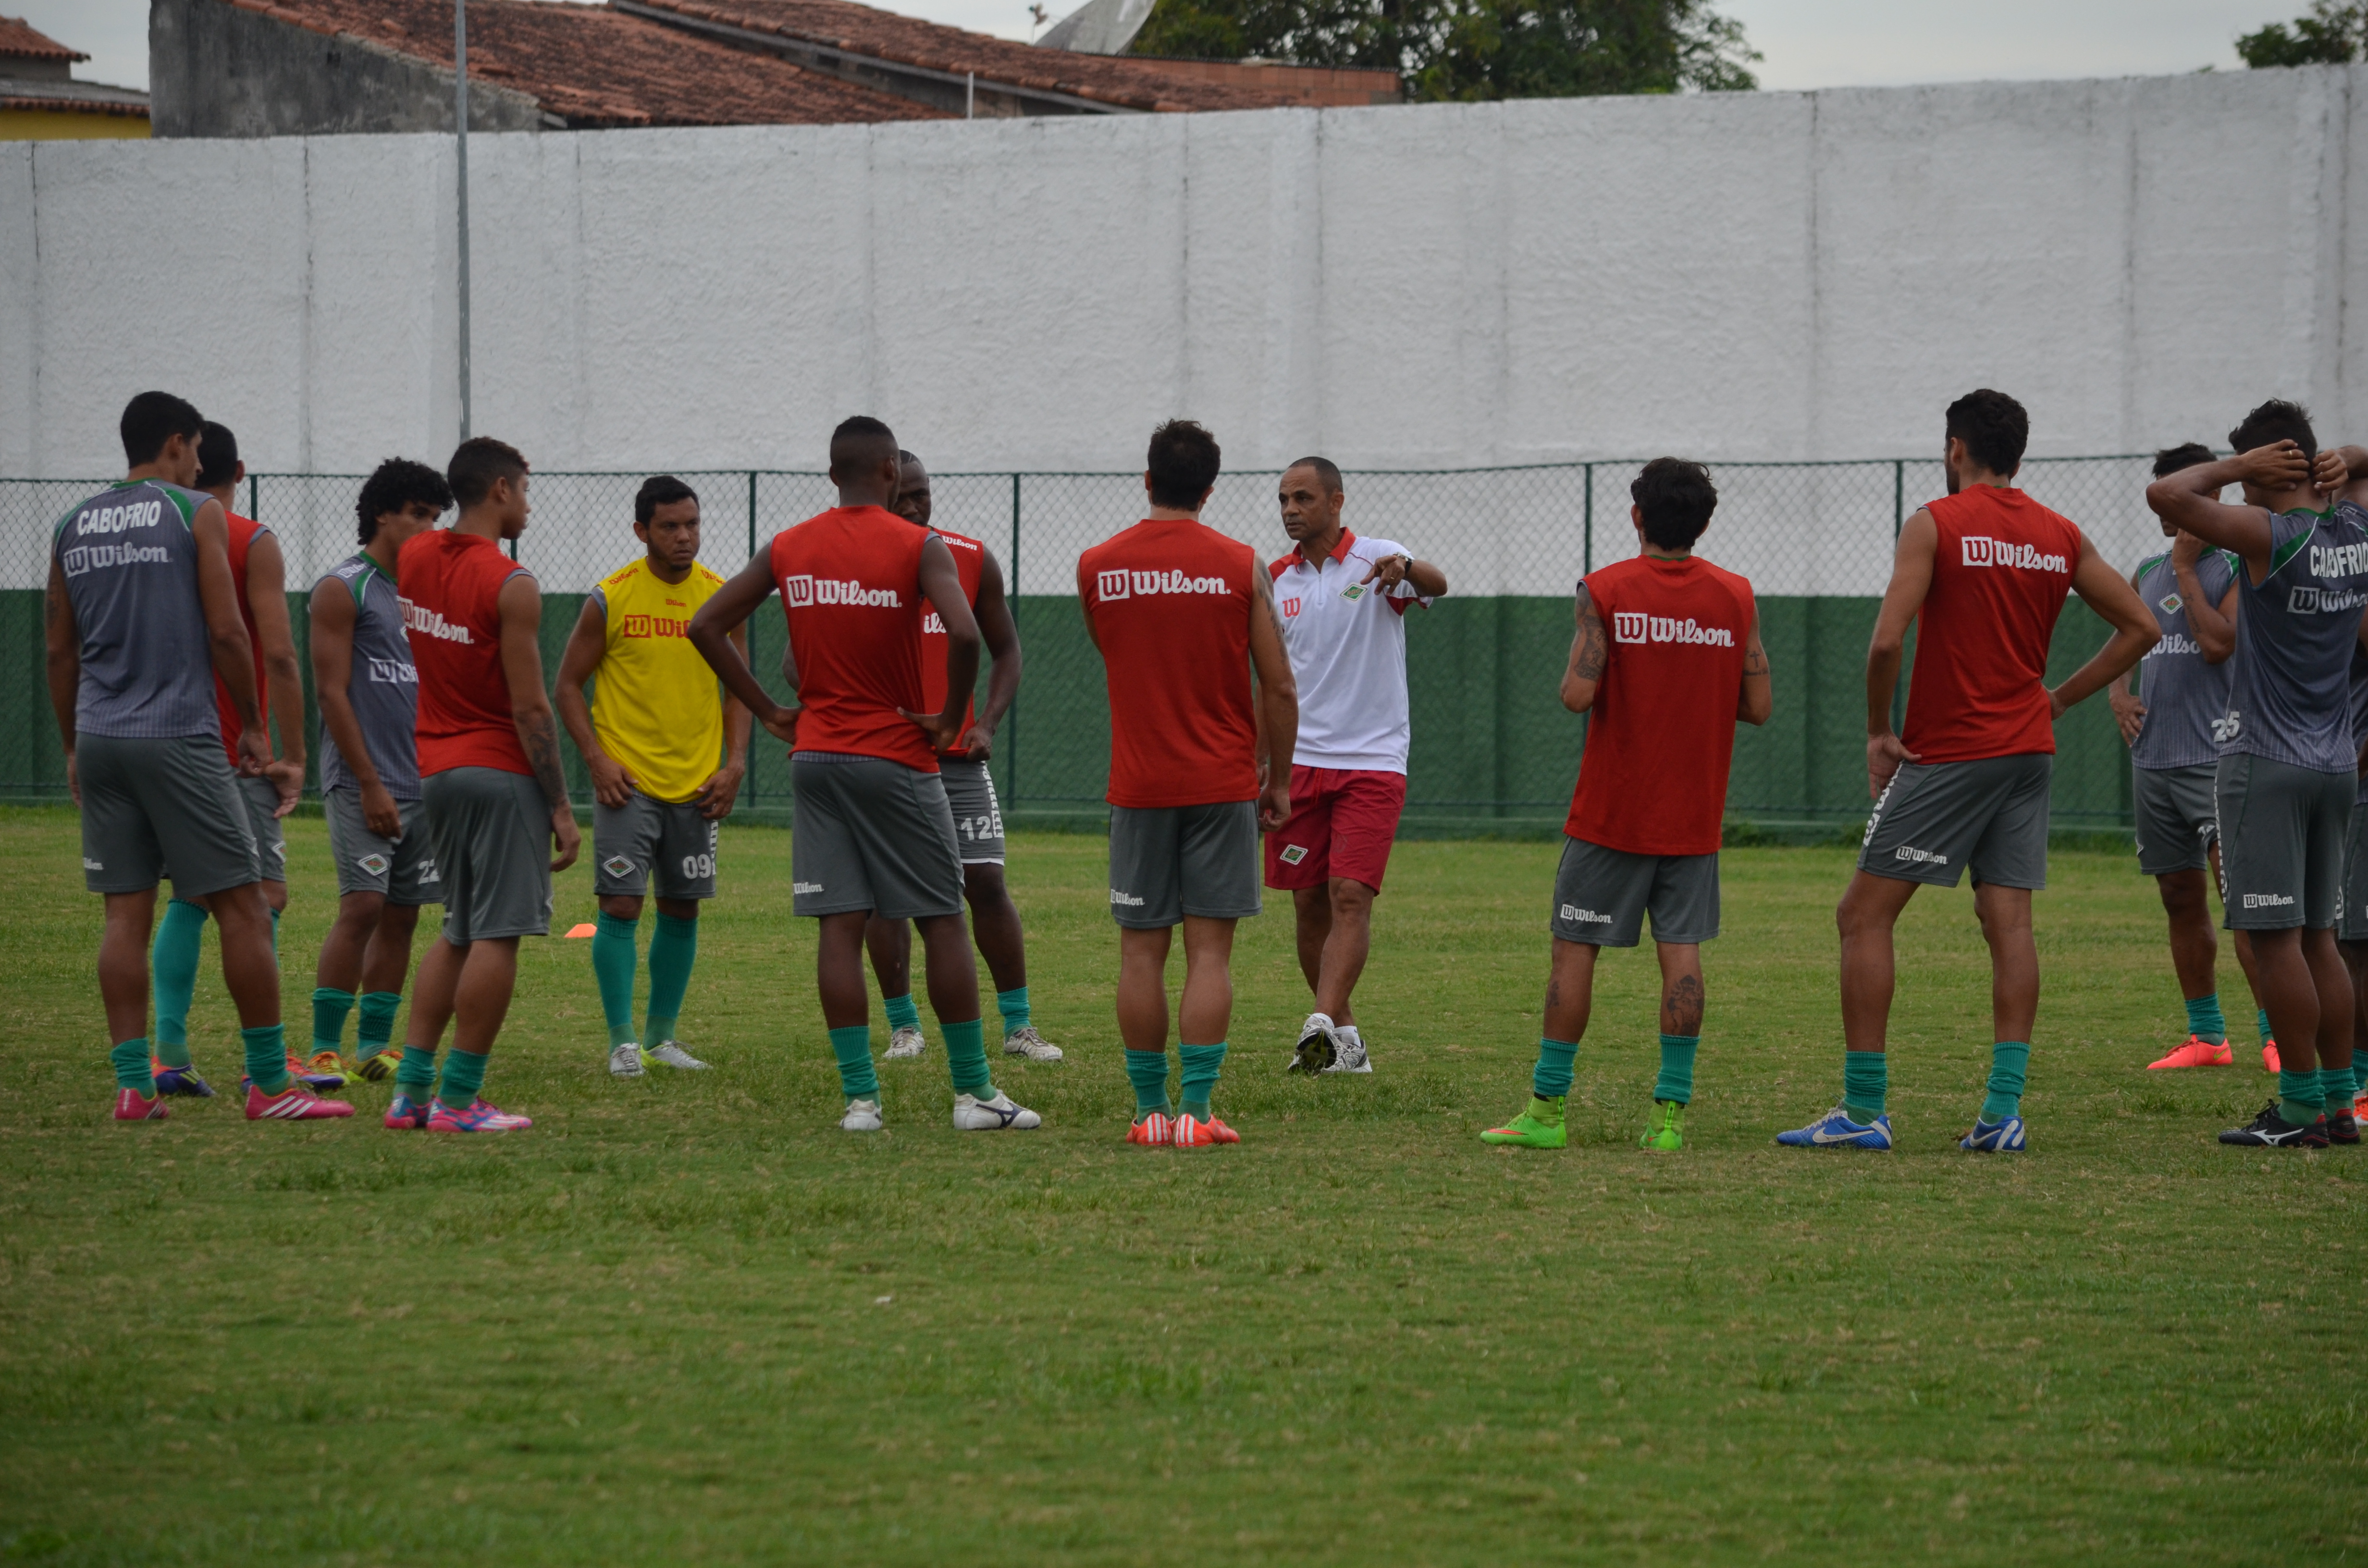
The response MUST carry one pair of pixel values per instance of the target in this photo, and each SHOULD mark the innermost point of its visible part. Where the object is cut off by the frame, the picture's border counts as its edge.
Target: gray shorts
(978, 815)
(645, 840)
(148, 804)
(1170, 861)
(2352, 923)
(1602, 895)
(402, 871)
(2177, 825)
(2281, 841)
(491, 832)
(261, 798)
(1937, 818)
(870, 834)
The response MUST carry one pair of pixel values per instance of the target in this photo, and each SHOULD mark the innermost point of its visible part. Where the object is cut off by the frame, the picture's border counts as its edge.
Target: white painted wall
(1758, 276)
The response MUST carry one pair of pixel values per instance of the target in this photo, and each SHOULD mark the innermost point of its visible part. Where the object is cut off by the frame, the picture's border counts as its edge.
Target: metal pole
(1899, 522)
(970, 96)
(1011, 597)
(1587, 559)
(251, 482)
(460, 113)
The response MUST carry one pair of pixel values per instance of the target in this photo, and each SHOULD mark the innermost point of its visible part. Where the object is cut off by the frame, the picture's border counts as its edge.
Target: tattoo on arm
(1755, 659)
(1588, 659)
(541, 739)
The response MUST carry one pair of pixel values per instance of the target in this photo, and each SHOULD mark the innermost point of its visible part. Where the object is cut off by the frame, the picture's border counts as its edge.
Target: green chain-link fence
(1493, 750)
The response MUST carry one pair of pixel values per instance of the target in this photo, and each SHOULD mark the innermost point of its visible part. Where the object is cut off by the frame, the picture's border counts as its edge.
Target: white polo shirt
(1347, 653)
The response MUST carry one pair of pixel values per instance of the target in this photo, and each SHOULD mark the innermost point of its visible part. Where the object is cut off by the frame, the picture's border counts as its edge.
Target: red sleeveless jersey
(850, 582)
(1661, 735)
(970, 561)
(242, 539)
(1999, 582)
(1171, 601)
(450, 584)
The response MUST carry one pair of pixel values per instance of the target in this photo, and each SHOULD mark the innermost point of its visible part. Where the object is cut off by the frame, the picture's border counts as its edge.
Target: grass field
(688, 1320)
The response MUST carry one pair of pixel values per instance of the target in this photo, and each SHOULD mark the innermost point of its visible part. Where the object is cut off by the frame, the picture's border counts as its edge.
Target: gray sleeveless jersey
(130, 565)
(2291, 699)
(2184, 696)
(2360, 710)
(382, 685)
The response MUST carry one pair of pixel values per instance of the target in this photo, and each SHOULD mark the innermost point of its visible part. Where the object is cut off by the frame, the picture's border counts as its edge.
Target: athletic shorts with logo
(1342, 820)
(402, 870)
(1602, 896)
(259, 800)
(1170, 861)
(2351, 921)
(1936, 819)
(2177, 821)
(151, 804)
(645, 840)
(491, 832)
(2282, 836)
(978, 815)
(871, 835)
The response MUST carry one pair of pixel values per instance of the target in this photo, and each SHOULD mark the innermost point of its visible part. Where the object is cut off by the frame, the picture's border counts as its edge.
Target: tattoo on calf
(1681, 1006)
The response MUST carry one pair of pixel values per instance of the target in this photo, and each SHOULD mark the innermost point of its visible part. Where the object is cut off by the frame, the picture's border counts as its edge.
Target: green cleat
(1539, 1126)
(1667, 1134)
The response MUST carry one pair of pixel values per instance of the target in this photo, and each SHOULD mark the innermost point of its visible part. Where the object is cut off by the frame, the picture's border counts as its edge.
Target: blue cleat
(1994, 1137)
(1835, 1129)
(180, 1081)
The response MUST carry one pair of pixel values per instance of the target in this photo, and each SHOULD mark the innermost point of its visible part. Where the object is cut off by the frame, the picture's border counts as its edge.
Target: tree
(2335, 33)
(1463, 51)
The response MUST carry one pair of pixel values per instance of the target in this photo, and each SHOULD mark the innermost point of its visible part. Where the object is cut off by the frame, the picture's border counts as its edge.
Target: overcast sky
(1808, 43)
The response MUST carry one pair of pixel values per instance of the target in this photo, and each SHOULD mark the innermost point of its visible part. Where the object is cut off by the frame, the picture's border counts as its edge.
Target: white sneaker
(1027, 1042)
(903, 1044)
(625, 1060)
(862, 1116)
(1350, 1055)
(670, 1053)
(1318, 1044)
(975, 1115)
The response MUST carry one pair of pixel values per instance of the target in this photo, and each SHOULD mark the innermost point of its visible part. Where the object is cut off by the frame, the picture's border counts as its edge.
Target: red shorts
(1341, 823)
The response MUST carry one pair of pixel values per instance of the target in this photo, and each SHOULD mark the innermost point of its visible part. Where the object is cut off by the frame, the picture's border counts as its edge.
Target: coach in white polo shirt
(1343, 602)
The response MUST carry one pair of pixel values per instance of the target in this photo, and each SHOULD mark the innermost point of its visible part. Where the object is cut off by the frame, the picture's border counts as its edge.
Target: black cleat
(2272, 1130)
(2340, 1126)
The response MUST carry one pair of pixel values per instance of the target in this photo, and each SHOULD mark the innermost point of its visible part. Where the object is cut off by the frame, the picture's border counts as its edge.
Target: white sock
(1349, 1032)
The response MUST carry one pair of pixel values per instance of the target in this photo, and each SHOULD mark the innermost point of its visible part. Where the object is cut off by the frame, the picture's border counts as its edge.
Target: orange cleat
(1154, 1131)
(2269, 1056)
(2197, 1052)
(1192, 1133)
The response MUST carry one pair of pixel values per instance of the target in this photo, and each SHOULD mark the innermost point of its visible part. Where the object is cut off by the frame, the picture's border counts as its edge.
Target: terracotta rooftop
(596, 67)
(907, 40)
(18, 40)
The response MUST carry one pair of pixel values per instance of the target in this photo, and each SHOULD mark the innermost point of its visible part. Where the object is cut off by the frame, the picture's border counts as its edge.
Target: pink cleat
(405, 1114)
(480, 1117)
(2269, 1056)
(2197, 1052)
(294, 1103)
(130, 1107)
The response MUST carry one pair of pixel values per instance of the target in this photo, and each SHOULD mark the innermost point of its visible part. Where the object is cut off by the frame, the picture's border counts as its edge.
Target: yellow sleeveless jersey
(656, 704)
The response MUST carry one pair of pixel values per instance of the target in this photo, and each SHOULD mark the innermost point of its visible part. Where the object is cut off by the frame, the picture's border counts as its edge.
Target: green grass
(688, 1320)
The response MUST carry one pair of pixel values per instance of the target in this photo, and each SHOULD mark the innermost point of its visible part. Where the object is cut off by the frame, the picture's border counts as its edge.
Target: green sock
(1013, 1005)
(966, 1058)
(612, 966)
(2335, 1087)
(2262, 1017)
(376, 1029)
(2204, 1021)
(1866, 1085)
(174, 961)
(415, 1076)
(330, 1006)
(2299, 1099)
(904, 1013)
(1677, 1079)
(1147, 1070)
(852, 1045)
(132, 1067)
(1551, 1081)
(464, 1074)
(674, 947)
(2009, 1066)
(1201, 1063)
(267, 1056)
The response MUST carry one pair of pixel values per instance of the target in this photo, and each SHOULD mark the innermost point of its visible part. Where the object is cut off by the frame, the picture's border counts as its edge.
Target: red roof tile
(19, 41)
(598, 67)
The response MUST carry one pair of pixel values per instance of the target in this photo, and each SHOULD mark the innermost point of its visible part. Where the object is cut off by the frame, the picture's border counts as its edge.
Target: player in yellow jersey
(655, 737)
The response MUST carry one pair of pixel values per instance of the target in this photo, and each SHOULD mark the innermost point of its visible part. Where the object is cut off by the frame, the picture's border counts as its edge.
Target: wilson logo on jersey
(429, 624)
(932, 626)
(1124, 585)
(118, 520)
(656, 626)
(2175, 643)
(84, 557)
(1290, 608)
(1635, 626)
(390, 672)
(1979, 550)
(2322, 601)
(803, 590)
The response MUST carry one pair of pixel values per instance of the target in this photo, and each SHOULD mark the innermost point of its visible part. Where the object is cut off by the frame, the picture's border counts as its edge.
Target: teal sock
(464, 1074)
(330, 1006)
(1201, 1063)
(2299, 1099)
(674, 947)
(174, 961)
(2262, 1017)
(1677, 1079)
(852, 1045)
(415, 1076)
(1552, 1079)
(1866, 1085)
(267, 1056)
(2009, 1066)
(132, 1067)
(376, 1029)
(2204, 1021)
(1013, 1005)
(2335, 1087)
(1147, 1070)
(904, 1013)
(612, 966)
(966, 1058)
